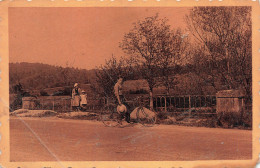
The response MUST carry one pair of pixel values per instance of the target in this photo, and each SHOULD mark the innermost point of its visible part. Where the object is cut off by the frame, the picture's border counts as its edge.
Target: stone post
(230, 106)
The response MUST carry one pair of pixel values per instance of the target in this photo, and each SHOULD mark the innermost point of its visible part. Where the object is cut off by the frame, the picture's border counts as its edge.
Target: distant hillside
(37, 76)
(54, 80)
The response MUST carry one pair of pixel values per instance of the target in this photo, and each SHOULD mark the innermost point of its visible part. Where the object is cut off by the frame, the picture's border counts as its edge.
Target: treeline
(217, 48)
(37, 76)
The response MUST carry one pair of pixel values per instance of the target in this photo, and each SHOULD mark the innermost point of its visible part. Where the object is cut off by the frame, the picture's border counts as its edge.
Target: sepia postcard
(129, 84)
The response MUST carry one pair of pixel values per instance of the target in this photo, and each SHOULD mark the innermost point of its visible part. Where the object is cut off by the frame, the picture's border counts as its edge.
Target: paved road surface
(81, 140)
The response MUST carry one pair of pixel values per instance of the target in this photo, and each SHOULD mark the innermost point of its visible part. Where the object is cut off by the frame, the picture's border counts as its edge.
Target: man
(120, 98)
(75, 101)
(118, 91)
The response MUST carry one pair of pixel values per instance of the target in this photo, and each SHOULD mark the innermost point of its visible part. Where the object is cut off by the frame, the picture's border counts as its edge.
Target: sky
(77, 37)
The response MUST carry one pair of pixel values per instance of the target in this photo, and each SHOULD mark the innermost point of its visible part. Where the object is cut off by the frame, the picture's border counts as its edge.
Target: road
(51, 139)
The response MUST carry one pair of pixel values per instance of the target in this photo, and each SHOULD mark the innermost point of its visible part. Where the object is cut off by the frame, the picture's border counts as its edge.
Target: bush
(43, 93)
(63, 92)
(229, 119)
(139, 91)
(67, 91)
(247, 119)
(17, 103)
(209, 122)
(162, 116)
(58, 93)
(26, 94)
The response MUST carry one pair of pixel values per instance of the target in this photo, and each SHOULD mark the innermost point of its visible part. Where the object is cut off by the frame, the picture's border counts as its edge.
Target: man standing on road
(120, 98)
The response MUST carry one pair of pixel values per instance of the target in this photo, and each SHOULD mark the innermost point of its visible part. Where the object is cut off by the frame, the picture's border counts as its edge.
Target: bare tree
(108, 74)
(173, 53)
(224, 45)
(155, 48)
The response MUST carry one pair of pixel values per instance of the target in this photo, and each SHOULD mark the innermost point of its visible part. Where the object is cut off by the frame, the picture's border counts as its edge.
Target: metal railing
(185, 103)
(167, 103)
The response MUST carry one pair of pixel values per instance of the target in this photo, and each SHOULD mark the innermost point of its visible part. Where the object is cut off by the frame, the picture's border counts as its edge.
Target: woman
(75, 101)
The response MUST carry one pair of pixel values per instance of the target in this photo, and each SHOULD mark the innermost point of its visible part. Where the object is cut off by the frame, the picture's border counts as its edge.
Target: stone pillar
(230, 106)
(29, 103)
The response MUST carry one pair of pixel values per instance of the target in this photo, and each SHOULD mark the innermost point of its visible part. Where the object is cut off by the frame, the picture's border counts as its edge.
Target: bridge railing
(185, 103)
(167, 103)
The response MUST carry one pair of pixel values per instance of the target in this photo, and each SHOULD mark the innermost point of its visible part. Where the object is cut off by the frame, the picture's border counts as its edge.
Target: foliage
(108, 74)
(223, 49)
(19, 94)
(43, 93)
(155, 49)
(162, 116)
(139, 91)
(17, 103)
(229, 119)
(41, 76)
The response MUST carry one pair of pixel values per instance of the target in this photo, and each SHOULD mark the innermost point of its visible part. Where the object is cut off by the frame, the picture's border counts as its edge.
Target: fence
(58, 103)
(205, 104)
(174, 104)
(185, 103)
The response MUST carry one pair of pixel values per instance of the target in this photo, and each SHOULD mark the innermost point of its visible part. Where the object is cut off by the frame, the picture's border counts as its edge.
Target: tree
(108, 74)
(172, 54)
(223, 45)
(155, 49)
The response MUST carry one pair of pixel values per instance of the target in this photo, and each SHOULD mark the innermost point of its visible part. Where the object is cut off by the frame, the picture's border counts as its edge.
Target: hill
(37, 76)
